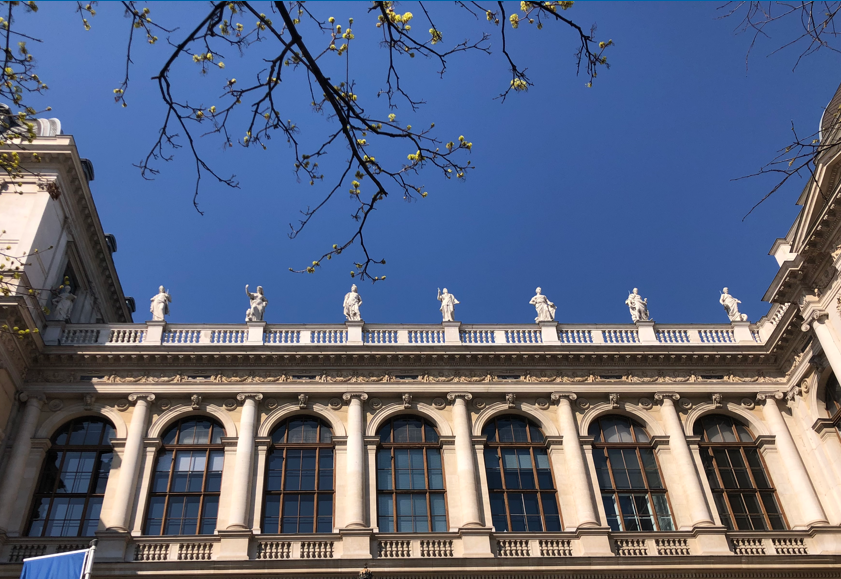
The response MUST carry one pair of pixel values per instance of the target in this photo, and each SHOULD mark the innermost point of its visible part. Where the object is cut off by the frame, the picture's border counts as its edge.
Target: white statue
(160, 305)
(638, 307)
(63, 303)
(448, 304)
(545, 308)
(258, 305)
(351, 305)
(731, 306)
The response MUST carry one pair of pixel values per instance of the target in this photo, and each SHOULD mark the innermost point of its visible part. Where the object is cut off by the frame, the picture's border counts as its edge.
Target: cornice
(64, 156)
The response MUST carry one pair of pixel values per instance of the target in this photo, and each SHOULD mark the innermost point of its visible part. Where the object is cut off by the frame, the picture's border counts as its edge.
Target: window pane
(535, 434)
(612, 512)
(550, 512)
(384, 469)
(324, 523)
(209, 514)
(664, 516)
(492, 469)
(651, 471)
(202, 432)
(271, 515)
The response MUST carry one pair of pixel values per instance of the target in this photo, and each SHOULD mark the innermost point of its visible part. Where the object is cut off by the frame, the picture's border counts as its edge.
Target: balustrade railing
(420, 546)
(380, 335)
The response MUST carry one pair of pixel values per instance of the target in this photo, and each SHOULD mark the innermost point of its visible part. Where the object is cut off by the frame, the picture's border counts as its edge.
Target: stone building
(542, 449)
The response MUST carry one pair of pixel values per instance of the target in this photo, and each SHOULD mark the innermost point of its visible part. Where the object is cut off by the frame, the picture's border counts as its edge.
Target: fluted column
(699, 512)
(355, 497)
(824, 335)
(17, 461)
(242, 467)
(466, 460)
(574, 457)
(810, 505)
(130, 463)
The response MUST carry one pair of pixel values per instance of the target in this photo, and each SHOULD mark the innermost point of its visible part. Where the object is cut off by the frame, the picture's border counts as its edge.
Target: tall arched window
(299, 478)
(743, 492)
(633, 492)
(520, 480)
(410, 478)
(68, 498)
(187, 479)
(833, 400)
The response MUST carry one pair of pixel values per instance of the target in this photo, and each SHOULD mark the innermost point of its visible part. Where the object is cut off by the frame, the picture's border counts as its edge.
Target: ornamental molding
(480, 367)
(373, 377)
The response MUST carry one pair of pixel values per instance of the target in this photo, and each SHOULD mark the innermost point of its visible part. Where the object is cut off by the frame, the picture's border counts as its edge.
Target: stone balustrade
(420, 546)
(401, 335)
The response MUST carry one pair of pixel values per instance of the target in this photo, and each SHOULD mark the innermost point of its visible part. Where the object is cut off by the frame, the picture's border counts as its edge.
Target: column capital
(146, 396)
(557, 396)
(661, 396)
(453, 396)
(763, 396)
(816, 317)
(243, 396)
(348, 396)
(34, 399)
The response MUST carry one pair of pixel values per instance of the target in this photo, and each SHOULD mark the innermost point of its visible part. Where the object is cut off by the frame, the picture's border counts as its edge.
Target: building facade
(450, 450)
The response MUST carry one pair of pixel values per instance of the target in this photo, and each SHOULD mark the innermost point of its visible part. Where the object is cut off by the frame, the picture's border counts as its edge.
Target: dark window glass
(187, 479)
(744, 494)
(410, 478)
(299, 478)
(69, 492)
(633, 493)
(520, 480)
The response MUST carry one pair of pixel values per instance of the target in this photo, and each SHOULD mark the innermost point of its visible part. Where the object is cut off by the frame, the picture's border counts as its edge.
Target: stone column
(699, 512)
(576, 466)
(355, 497)
(130, 464)
(242, 467)
(20, 453)
(824, 335)
(470, 515)
(810, 505)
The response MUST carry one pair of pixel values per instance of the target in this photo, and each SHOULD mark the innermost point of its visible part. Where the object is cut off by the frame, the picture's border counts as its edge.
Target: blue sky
(584, 192)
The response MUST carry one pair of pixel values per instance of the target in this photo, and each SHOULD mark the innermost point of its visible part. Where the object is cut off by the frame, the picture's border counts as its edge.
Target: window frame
(636, 445)
(537, 491)
(427, 491)
(285, 447)
(103, 447)
(706, 451)
(175, 448)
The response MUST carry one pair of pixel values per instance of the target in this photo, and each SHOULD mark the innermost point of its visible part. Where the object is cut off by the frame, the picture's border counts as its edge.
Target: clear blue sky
(585, 192)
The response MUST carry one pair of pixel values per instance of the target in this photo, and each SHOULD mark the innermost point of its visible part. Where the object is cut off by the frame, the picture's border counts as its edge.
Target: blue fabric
(64, 566)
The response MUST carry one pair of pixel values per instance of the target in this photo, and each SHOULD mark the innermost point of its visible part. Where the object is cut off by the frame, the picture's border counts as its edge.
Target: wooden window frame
(104, 447)
(394, 491)
(636, 445)
(284, 447)
(175, 448)
(706, 450)
(531, 446)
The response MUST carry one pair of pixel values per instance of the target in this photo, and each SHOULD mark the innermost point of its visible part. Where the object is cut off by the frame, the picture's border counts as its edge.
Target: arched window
(410, 478)
(520, 481)
(833, 400)
(68, 498)
(299, 478)
(187, 479)
(633, 492)
(743, 492)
